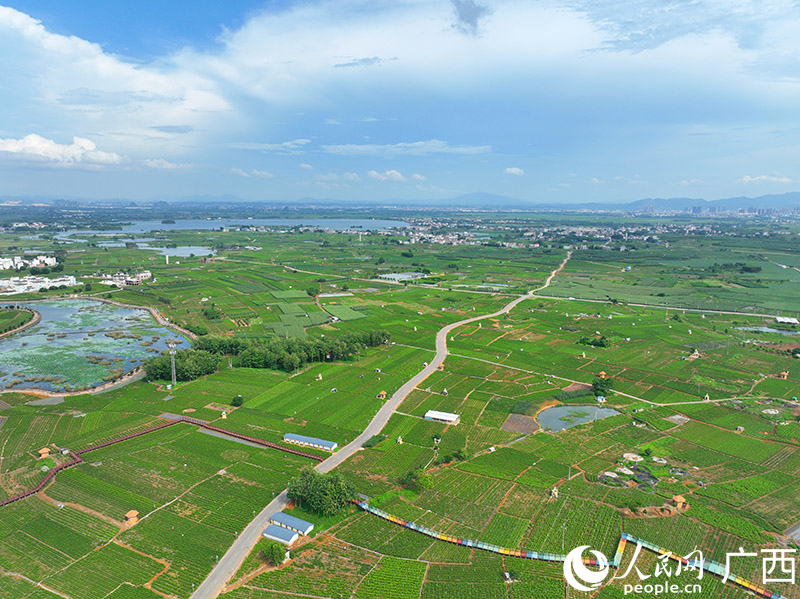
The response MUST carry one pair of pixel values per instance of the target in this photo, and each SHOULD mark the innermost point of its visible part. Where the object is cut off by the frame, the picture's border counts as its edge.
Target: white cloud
(294, 146)
(764, 179)
(351, 177)
(390, 175)
(40, 149)
(415, 148)
(251, 173)
(160, 163)
(332, 122)
(514, 170)
(595, 180)
(418, 177)
(57, 79)
(305, 166)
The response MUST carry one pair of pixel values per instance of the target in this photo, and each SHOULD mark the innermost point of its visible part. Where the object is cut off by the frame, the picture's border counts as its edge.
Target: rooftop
(292, 522)
(310, 440)
(280, 534)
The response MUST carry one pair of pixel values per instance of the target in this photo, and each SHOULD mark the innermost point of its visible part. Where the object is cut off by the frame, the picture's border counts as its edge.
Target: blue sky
(551, 101)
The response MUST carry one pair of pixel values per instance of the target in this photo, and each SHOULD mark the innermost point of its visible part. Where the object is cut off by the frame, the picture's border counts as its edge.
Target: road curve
(214, 583)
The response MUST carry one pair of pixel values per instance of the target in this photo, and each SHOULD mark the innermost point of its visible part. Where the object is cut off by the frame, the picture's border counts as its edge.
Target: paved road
(212, 586)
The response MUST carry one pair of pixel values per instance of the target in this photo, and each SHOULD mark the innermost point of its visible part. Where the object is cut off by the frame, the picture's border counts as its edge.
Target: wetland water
(80, 344)
(563, 417)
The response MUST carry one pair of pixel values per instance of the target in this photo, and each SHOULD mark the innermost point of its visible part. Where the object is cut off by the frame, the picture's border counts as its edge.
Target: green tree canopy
(326, 494)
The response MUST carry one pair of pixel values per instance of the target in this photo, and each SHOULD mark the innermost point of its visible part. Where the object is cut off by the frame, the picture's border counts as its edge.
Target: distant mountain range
(489, 200)
(471, 201)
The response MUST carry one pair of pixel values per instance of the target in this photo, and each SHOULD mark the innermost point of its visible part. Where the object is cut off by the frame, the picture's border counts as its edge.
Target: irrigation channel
(712, 567)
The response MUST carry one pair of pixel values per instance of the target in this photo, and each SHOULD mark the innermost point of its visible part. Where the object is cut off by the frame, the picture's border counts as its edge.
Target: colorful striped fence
(711, 567)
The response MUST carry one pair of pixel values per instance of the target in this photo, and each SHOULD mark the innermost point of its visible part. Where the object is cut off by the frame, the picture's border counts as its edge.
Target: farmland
(700, 390)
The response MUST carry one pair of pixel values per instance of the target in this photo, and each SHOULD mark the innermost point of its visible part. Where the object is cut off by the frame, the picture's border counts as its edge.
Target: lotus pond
(80, 344)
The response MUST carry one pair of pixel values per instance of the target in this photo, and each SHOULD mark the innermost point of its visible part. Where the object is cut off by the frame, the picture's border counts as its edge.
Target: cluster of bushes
(189, 365)
(595, 341)
(212, 313)
(566, 396)
(374, 440)
(325, 494)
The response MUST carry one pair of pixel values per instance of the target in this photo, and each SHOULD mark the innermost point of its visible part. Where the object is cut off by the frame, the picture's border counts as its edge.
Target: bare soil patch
(518, 423)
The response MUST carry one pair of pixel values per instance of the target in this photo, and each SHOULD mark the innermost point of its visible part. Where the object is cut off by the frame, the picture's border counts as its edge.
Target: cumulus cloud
(514, 170)
(351, 177)
(390, 175)
(294, 146)
(764, 179)
(415, 148)
(40, 149)
(468, 14)
(305, 166)
(58, 78)
(160, 163)
(418, 177)
(251, 173)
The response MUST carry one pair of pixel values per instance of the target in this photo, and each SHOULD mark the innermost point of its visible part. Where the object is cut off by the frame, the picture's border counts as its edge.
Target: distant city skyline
(560, 101)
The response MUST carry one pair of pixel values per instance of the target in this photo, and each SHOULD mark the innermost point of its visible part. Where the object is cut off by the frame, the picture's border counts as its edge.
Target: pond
(80, 344)
(563, 417)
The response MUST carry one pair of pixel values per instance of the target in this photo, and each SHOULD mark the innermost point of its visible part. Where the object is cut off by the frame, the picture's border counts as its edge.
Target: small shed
(440, 367)
(382, 395)
(132, 517)
(292, 523)
(602, 374)
(679, 501)
(784, 375)
(280, 534)
(44, 452)
(601, 399)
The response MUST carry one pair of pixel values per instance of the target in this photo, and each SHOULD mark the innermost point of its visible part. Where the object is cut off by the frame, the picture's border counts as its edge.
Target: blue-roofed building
(292, 523)
(311, 442)
(280, 534)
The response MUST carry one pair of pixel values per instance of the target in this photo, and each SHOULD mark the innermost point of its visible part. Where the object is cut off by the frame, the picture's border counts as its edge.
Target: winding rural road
(214, 583)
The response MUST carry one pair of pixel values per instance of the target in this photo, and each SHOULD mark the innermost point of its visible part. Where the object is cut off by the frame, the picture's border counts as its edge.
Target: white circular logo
(576, 573)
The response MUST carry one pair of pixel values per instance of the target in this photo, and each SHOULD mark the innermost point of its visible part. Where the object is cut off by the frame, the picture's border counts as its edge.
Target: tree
(417, 480)
(237, 401)
(601, 386)
(326, 494)
(272, 553)
(312, 291)
(189, 365)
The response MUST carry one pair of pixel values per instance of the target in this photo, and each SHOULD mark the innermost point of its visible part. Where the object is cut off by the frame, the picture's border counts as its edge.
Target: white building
(786, 320)
(445, 417)
(32, 284)
(18, 262)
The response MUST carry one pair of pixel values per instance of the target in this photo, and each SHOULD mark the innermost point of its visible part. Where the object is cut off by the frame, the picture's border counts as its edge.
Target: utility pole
(171, 347)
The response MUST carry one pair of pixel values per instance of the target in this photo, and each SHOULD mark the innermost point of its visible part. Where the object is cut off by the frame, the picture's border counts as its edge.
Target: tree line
(262, 352)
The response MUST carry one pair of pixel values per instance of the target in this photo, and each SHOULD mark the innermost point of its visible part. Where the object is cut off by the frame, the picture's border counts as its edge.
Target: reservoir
(563, 417)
